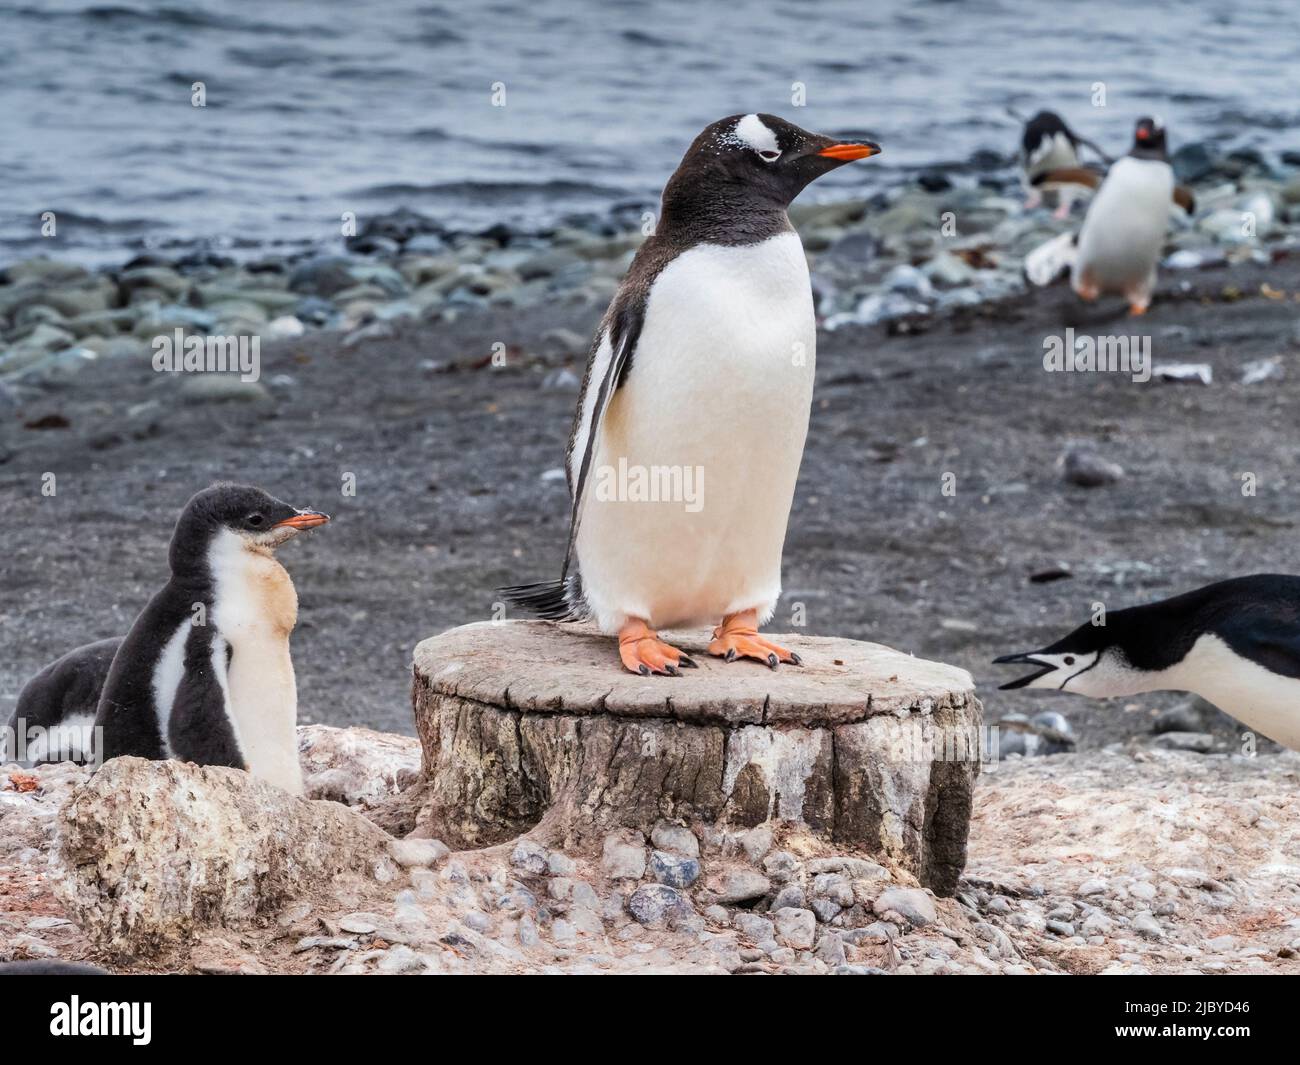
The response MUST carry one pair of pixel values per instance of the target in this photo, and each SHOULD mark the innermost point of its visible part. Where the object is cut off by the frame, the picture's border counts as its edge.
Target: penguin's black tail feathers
(559, 600)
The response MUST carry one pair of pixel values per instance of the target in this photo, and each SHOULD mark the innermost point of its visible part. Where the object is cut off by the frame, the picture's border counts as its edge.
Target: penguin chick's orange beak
(309, 520)
(846, 152)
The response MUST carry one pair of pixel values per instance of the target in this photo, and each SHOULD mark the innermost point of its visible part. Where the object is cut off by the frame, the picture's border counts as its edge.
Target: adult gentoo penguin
(1235, 643)
(1124, 229)
(700, 376)
(205, 673)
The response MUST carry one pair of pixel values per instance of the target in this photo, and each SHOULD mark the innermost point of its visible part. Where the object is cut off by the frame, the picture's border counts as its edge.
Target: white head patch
(754, 132)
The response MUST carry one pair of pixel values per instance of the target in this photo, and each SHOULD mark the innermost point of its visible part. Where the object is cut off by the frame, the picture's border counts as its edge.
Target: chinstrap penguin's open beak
(307, 519)
(848, 151)
(1026, 658)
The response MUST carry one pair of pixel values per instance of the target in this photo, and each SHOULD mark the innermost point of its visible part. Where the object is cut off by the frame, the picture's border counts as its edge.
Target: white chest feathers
(254, 610)
(1257, 697)
(718, 397)
(1124, 230)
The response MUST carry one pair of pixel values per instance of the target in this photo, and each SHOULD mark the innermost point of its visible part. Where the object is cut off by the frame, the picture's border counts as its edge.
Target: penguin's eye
(770, 155)
(255, 520)
(1069, 660)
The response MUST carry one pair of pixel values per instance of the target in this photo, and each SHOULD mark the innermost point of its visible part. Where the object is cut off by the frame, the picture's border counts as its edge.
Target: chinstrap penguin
(1047, 147)
(205, 673)
(56, 709)
(702, 367)
(1235, 643)
(1124, 230)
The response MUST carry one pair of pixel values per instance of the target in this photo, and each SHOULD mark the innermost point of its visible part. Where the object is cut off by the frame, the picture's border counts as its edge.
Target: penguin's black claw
(688, 663)
(731, 654)
(795, 660)
(644, 670)
(672, 670)
(773, 661)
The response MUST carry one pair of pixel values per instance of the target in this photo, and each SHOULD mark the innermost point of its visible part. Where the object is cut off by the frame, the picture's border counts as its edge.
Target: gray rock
(789, 896)
(913, 905)
(583, 894)
(209, 846)
(623, 855)
(718, 914)
(741, 885)
(796, 927)
(400, 959)
(855, 868)
(831, 949)
(530, 856)
(1186, 716)
(410, 853)
(826, 910)
(560, 864)
(756, 928)
(1196, 742)
(1086, 468)
(1061, 928)
(781, 865)
(673, 869)
(322, 276)
(1145, 925)
(223, 388)
(675, 839)
(657, 905)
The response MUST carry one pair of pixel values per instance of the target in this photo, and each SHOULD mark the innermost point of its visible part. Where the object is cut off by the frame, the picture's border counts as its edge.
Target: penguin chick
(57, 706)
(205, 673)
(1235, 643)
(691, 422)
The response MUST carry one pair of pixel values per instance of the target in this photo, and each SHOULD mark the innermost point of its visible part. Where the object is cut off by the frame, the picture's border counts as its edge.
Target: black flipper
(561, 600)
(199, 729)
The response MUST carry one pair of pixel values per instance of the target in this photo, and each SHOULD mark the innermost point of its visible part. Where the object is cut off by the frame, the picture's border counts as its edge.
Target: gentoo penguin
(56, 708)
(1235, 643)
(691, 422)
(1048, 146)
(205, 674)
(1124, 229)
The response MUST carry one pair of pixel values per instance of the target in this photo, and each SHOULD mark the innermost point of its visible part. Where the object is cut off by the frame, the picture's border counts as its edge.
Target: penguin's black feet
(737, 637)
(643, 652)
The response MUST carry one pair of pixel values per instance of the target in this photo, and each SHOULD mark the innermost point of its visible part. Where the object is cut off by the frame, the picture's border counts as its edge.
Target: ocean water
(323, 107)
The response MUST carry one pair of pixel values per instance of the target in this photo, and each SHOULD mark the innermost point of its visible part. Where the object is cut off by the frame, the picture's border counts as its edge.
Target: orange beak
(851, 151)
(307, 520)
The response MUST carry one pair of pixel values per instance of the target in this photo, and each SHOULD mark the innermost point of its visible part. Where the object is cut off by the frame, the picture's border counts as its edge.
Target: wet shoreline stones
(909, 251)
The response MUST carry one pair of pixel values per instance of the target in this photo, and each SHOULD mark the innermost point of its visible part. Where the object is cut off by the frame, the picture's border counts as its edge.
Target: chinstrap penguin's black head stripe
(249, 512)
(1043, 125)
(1258, 617)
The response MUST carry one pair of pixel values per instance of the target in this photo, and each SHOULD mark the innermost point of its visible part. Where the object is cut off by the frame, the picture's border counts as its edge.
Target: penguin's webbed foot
(737, 637)
(641, 651)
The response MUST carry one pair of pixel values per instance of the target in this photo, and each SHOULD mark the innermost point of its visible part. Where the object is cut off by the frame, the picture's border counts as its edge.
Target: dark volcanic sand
(450, 503)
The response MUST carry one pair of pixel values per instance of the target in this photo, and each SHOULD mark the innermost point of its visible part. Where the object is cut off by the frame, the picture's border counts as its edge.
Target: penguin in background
(1124, 230)
(1049, 147)
(702, 366)
(205, 674)
(1235, 643)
